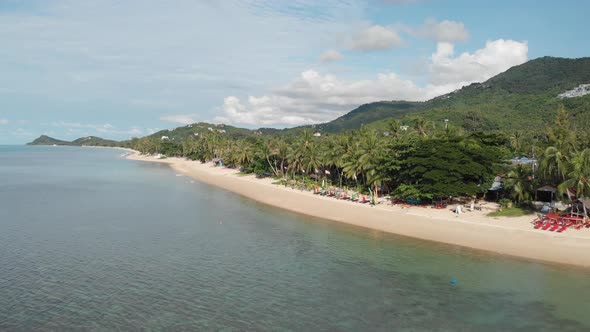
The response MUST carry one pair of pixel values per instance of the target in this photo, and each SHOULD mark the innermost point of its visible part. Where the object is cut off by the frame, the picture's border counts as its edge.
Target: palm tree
(422, 126)
(312, 159)
(560, 134)
(334, 154)
(520, 183)
(371, 150)
(394, 127)
(279, 151)
(578, 176)
(295, 160)
(554, 164)
(265, 151)
(245, 153)
(351, 166)
(516, 140)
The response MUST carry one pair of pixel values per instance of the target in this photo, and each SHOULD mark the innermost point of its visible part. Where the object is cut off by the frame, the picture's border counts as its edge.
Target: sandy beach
(508, 236)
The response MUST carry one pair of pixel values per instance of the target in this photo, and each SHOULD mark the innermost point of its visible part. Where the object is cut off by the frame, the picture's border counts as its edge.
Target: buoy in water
(454, 282)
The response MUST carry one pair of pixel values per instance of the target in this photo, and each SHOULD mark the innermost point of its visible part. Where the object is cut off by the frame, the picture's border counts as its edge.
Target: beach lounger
(547, 225)
(564, 227)
(555, 227)
(539, 223)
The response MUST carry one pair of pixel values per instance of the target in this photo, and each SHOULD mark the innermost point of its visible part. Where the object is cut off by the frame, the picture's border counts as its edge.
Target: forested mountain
(523, 97)
(369, 113)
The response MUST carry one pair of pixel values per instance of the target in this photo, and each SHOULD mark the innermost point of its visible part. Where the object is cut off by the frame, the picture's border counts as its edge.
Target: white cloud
(314, 98)
(65, 124)
(134, 131)
(445, 31)
(112, 49)
(156, 104)
(106, 128)
(150, 58)
(3, 121)
(497, 56)
(330, 55)
(376, 37)
(401, 2)
(180, 118)
(22, 132)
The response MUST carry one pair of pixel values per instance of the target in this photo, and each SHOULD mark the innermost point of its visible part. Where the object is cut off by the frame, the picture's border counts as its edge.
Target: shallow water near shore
(91, 241)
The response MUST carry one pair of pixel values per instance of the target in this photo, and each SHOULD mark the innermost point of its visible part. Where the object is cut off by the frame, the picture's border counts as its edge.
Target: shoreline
(503, 235)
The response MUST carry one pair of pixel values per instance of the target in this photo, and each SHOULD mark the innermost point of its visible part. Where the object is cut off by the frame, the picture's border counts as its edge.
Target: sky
(121, 69)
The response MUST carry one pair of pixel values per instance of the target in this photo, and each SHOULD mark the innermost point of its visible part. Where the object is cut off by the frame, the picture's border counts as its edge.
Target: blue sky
(118, 69)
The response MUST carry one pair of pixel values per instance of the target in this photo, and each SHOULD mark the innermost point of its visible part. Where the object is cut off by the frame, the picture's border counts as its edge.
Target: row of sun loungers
(342, 195)
(554, 222)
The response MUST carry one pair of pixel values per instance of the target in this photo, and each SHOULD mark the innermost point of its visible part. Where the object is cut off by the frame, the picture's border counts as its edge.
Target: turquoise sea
(91, 241)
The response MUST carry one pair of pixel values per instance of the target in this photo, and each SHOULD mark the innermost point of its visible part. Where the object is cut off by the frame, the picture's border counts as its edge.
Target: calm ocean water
(90, 241)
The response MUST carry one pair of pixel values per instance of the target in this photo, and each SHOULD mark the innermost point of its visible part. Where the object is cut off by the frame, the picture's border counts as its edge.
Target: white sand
(510, 236)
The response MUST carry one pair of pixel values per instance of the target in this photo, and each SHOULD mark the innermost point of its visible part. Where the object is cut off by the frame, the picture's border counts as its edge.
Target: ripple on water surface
(91, 241)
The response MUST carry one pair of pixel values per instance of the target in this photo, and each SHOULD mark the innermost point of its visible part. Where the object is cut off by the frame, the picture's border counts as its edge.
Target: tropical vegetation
(452, 145)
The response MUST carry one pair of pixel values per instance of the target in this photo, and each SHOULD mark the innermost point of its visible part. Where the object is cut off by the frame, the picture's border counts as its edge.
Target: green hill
(181, 133)
(94, 141)
(369, 113)
(523, 97)
(46, 140)
(83, 141)
(544, 75)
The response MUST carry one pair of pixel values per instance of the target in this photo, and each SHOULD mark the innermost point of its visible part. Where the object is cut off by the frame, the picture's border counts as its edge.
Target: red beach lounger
(564, 227)
(554, 227)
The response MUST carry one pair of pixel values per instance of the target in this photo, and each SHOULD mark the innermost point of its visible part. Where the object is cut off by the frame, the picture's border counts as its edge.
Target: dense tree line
(413, 160)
